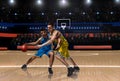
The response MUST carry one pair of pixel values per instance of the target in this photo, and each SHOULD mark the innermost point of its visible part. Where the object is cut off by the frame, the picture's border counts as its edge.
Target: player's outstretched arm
(34, 43)
(50, 41)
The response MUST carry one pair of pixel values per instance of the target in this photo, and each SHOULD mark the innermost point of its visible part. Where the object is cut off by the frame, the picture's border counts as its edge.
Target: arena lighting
(83, 13)
(39, 2)
(117, 1)
(88, 2)
(56, 13)
(111, 12)
(43, 13)
(29, 13)
(63, 3)
(97, 13)
(70, 13)
(15, 14)
(12, 1)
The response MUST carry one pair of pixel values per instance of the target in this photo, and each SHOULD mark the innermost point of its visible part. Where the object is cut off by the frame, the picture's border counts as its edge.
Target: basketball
(24, 48)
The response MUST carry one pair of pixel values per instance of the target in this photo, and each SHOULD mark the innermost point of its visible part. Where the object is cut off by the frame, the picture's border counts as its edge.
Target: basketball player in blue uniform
(44, 50)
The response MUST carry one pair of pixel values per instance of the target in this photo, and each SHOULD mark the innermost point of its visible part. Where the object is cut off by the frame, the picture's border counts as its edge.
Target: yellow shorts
(63, 50)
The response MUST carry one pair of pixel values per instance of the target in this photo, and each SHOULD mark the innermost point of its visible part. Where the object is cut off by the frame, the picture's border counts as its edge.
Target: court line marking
(86, 54)
(90, 66)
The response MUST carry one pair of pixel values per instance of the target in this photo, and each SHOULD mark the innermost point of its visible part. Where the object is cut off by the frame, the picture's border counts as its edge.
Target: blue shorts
(43, 51)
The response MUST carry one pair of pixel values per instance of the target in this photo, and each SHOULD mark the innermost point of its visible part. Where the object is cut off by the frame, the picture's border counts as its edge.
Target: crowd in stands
(24, 38)
(73, 38)
(92, 38)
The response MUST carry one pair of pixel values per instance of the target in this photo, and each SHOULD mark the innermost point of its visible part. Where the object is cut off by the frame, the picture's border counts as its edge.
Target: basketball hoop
(63, 26)
(63, 23)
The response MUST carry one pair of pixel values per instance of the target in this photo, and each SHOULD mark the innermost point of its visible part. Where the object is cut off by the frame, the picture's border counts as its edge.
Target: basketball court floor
(95, 65)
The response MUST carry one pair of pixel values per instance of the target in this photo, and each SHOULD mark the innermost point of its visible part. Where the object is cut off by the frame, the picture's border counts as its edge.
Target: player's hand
(25, 44)
(38, 46)
(57, 47)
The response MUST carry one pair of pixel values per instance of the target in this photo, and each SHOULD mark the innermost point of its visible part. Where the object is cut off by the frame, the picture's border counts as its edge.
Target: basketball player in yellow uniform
(62, 48)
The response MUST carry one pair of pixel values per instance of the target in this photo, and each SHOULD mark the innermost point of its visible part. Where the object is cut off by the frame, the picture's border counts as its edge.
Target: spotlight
(111, 12)
(15, 14)
(11, 1)
(63, 3)
(70, 13)
(88, 2)
(43, 13)
(117, 1)
(83, 13)
(29, 13)
(56, 13)
(97, 13)
(39, 2)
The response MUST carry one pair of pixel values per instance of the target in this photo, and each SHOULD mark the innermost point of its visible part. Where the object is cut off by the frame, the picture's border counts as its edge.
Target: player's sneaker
(76, 68)
(24, 66)
(50, 71)
(70, 71)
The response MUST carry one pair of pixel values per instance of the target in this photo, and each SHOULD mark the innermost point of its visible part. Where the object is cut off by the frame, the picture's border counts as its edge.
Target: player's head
(50, 27)
(43, 32)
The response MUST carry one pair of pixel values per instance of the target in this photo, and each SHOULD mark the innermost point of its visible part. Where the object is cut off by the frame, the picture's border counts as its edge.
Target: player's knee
(51, 54)
(33, 57)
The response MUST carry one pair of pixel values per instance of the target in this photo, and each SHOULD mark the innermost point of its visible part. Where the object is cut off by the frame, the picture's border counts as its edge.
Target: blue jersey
(43, 40)
(45, 49)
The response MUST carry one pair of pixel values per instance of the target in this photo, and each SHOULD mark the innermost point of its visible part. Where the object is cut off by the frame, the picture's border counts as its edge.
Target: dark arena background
(91, 27)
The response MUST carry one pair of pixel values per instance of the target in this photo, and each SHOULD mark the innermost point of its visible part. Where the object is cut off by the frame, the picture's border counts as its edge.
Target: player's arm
(50, 40)
(58, 43)
(34, 43)
(52, 46)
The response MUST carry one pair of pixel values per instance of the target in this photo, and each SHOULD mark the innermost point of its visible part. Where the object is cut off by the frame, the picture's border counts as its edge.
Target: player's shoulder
(56, 31)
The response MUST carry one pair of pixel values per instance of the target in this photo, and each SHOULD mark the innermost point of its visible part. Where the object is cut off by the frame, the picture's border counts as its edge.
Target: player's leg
(51, 60)
(65, 53)
(62, 59)
(38, 54)
(75, 65)
(29, 61)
